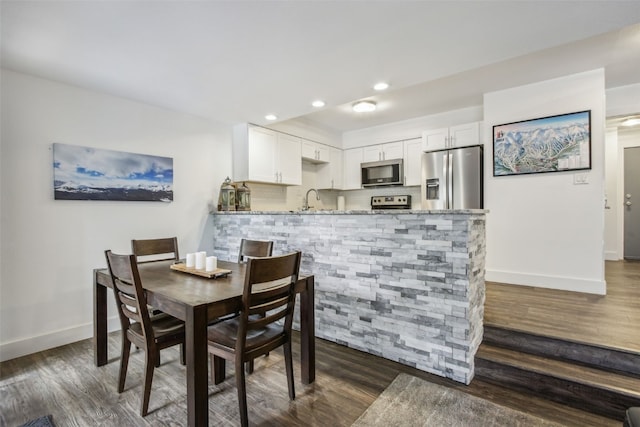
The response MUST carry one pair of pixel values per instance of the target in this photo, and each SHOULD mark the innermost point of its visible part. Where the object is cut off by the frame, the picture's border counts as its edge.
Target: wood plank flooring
(65, 383)
(612, 320)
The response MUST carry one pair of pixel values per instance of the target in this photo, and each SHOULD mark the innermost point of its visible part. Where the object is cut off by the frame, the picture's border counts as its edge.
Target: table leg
(197, 369)
(307, 333)
(99, 322)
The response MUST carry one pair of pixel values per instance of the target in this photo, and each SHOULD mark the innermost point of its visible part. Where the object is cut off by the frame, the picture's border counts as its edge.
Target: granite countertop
(357, 212)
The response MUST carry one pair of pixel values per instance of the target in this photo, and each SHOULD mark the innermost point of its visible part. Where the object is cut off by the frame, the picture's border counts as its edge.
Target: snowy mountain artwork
(84, 173)
(548, 144)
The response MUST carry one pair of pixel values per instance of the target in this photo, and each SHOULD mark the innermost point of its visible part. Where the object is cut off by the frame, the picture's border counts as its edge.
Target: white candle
(200, 260)
(191, 260)
(212, 263)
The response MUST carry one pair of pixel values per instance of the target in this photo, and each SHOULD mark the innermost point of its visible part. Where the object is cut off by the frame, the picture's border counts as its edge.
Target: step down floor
(570, 382)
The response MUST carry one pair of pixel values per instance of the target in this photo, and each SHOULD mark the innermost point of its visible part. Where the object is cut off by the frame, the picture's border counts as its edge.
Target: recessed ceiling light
(271, 117)
(364, 106)
(631, 121)
(318, 103)
(381, 86)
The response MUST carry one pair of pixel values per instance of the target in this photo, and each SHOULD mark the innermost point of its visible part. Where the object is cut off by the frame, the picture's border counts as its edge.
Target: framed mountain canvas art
(85, 173)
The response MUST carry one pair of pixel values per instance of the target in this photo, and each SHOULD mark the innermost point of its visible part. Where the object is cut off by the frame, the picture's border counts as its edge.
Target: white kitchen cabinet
(451, 137)
(314, 152)
(264, 155)
(388, 151)
(352, 178)
(413, 161)
(329, 175)
(289, 160)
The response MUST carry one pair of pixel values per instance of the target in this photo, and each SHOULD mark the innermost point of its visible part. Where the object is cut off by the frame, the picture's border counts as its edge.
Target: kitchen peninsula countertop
(356, 212)
(406, 285)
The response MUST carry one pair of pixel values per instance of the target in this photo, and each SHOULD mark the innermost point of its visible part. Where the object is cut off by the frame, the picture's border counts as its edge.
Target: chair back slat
(148, 250)
(131, 301)
(254, 249)
(269, 290)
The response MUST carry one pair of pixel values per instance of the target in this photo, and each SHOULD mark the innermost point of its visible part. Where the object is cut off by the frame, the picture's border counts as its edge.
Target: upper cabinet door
(388, 151)
(435, 139)
(329, 175)
(352, 177)
(289, 160)
(262, 154)
(465, 135)
(372, 153)
(392, 150)
(314, 152)
(413, 161)
(452, 137)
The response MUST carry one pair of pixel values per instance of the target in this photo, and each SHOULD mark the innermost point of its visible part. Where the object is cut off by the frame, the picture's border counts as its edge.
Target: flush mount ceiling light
(364, 106)
(381, 86)
(631, 121)
(318, 103)
(271, 117)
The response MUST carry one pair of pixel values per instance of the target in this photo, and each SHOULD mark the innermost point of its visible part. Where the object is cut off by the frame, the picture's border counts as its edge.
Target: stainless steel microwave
(382, 173)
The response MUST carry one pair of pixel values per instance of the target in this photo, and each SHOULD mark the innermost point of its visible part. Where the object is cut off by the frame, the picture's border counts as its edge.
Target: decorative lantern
(227, 196)
(243, 197)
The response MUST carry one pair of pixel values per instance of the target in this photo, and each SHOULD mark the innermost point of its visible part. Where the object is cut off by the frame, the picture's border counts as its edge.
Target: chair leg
(183, 354)
(218, 368)
(149, 365)
(249, 366)
(288, 361)
(124, 363)
(242, 394)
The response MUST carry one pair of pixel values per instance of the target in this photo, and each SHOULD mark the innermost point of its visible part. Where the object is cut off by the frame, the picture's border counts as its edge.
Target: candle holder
(243, 197)
(227, 196)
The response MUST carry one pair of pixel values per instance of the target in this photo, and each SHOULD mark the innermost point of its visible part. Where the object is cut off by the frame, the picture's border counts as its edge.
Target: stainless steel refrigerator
(452, 179)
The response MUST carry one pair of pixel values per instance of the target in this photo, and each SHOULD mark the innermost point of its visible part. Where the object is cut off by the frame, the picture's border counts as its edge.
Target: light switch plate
(580, 178)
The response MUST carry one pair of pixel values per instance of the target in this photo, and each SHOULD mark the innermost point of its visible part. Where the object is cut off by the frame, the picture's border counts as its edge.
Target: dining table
(197, 300)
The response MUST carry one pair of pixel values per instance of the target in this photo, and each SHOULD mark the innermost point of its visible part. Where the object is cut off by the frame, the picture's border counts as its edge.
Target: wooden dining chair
(253, 249)
(149, 250)
(151, 333)
(269, 285)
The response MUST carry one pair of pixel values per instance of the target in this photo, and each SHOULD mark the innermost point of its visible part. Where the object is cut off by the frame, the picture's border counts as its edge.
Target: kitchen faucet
(306, 199)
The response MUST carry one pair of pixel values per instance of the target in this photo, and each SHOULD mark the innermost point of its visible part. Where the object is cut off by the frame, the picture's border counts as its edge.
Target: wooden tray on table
(218, 272)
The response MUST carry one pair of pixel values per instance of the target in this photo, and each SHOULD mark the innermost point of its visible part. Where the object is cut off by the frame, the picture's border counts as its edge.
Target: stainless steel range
(391, 202)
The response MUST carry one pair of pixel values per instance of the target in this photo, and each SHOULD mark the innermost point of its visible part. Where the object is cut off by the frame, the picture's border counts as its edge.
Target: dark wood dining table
(197, 300)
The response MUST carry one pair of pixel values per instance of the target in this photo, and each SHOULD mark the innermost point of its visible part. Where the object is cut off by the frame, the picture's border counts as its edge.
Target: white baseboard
(598, 287)
(611, 256)
(22, 347)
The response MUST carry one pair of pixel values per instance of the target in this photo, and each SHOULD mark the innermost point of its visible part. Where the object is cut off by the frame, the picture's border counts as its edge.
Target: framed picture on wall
(547, 144)
(85, 173)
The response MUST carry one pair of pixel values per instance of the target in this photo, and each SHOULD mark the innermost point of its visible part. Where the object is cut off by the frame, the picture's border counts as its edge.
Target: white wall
(49, 247)
(543, 230)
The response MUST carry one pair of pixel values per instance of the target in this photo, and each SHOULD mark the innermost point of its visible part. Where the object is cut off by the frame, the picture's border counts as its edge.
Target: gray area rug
(46, 421)
(410, 401)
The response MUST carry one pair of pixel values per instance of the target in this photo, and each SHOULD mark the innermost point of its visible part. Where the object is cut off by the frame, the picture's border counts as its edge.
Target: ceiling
(236, 61)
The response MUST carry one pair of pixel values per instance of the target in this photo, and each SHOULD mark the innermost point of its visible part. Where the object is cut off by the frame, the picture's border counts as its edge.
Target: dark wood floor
(65, 383)
(612, 320)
